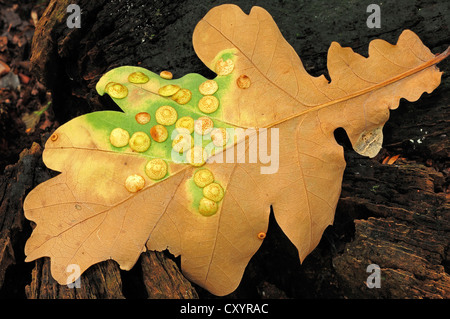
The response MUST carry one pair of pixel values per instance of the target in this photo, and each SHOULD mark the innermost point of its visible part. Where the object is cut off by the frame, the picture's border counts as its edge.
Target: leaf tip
(445, 54)
(100, 86)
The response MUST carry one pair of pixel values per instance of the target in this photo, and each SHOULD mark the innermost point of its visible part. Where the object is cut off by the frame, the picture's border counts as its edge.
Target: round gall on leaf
(261, 235)
(219, 136)
(207, 207)
(196, 156)
(182, 142)
(108, 85)
(185, 122)
(168, 90)
(213, 192)
(224, 67)
(203, 125)
(159, 133)
(183, 96)
(142, 118)
(203, 177)
(156, 169)
(166, 75)
(209, 87)
(119, 137)
(134, 183)
(139, 142)
(208, 104)
(138, 78)
(243, 81)
(54, 136)
(116, 90)
(166, 115)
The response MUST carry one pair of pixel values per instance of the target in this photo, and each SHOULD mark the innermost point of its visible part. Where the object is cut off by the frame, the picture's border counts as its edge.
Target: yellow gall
(183, 96)
(156, 169)
(207, 207)
(166, 115)
(224, 67)
(196, 156)
(142, 118)
(182, 142)
(54, 137)
(261, 235)
(168, 90)
(108, 85)
(159, 133)
(134, 183)
(116, 90)
(208, 104)
(203, 177)
(185, 122)
(119, 137)
(139, 142)
(209, 87)
(203, 125)
(166, 75)
(243, 81)
(213, 192)
(219, 136)
(138, 78)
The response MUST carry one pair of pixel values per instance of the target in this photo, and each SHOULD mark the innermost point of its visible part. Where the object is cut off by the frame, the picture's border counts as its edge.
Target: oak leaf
(121, 193)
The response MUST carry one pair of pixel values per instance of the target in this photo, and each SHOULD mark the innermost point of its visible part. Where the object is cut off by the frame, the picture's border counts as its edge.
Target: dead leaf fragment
(370, 142)
(4, 68)
(393, 159)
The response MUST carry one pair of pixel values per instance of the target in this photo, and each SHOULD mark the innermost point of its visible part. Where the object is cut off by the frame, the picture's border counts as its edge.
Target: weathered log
(404, 232)
(162, 278)
(101, 281)
(395, 216)
(16, 181)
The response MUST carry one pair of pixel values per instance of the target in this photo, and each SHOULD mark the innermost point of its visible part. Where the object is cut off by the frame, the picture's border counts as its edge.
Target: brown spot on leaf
(243, 81)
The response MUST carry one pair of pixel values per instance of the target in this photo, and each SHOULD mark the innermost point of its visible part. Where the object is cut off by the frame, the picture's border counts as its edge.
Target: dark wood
(405, 232)
(396, 216)
(102, 281)
(16, 181)
(162, 278)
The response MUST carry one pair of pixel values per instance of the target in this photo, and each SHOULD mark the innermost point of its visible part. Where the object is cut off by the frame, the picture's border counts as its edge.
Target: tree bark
(393, 215)
(404, 231)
